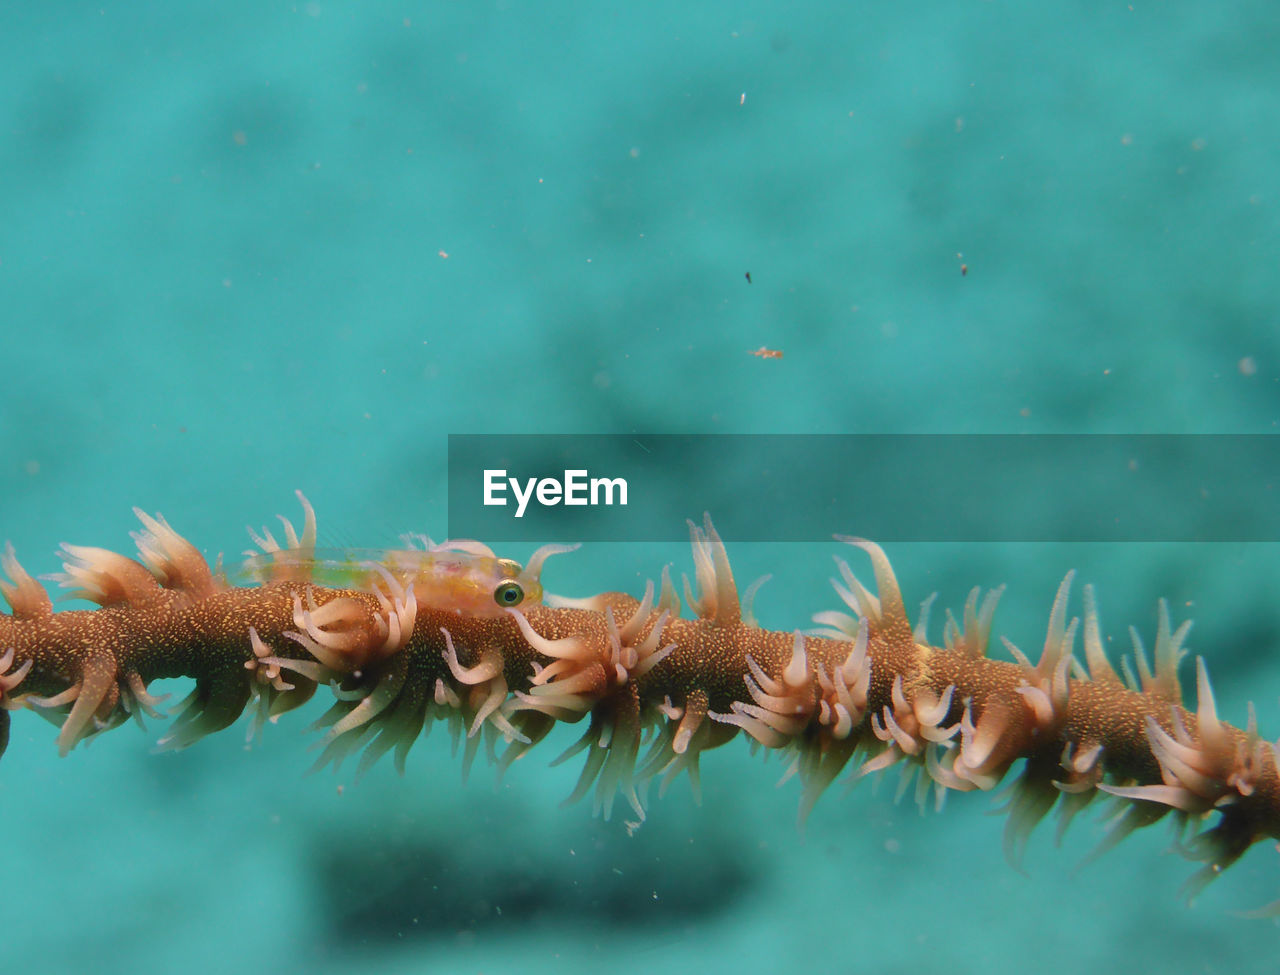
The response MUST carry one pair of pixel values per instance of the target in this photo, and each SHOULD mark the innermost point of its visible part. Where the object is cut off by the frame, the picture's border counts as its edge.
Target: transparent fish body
(461, 576)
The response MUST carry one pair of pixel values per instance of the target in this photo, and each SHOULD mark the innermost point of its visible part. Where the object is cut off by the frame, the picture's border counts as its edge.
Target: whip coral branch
(453, 633)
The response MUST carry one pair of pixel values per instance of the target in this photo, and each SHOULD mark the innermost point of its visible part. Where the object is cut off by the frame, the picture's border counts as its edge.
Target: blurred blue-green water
(248, 248)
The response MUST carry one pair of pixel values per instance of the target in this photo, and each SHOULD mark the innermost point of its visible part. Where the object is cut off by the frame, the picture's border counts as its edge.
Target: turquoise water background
(253, 247)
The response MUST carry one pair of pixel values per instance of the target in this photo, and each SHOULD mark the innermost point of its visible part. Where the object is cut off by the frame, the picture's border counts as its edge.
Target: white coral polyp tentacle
(570, 685)
(400, 611)
(445, 696)
(268, 681)
(306, 542)
(265, 665)
(138, 700)
(648, 654)
(11, 679)
(372, 702)
(887, 605)
(1100, 668)
(854, 594)
(26, 597)
(153, 542)
(909, 726)
(977, 761)
(717, 598)
(836, 625)
(783, 707)
(1046, 687)
(288, 562)
(567, 648)
(620, 658)
(1249, 758)
(104, 577)
(1202, 773)
(531, 576)
(331, 633)
(627, 633)
(939, 762)
(976, 634)
(489, 667)
(667, 598)
(920, 632)
(488, 690)
(1198, 773)
(577, 677)
(843, 702)
(1048, 697)
(174, 561)
(1163, 682)
(1083, 767)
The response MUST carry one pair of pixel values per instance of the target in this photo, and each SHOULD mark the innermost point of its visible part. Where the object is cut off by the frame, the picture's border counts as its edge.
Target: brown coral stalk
(865, 692)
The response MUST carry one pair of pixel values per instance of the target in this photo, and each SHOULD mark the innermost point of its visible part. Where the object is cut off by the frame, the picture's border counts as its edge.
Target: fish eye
(508, 594)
